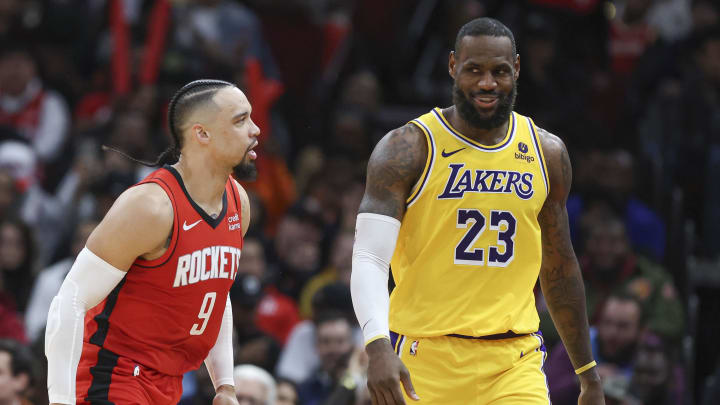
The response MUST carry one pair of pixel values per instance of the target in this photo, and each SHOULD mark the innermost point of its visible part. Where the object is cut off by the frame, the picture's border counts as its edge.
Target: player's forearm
(219, 361)
(89, 281)
(564, 294)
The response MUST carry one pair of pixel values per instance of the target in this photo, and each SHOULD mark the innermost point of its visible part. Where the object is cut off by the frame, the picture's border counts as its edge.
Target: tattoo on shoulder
(557, 158)
(395, 165)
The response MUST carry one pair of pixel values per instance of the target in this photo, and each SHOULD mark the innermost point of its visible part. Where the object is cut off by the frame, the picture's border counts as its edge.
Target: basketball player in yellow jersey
(467, 205)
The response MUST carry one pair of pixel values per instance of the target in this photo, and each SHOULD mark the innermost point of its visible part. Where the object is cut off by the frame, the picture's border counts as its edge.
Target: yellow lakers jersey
(469, 250)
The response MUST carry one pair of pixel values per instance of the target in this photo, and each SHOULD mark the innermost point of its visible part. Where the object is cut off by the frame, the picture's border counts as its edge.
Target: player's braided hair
(184, 101)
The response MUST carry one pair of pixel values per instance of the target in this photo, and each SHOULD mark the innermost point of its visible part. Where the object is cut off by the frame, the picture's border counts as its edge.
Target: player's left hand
(225, 395)
(591, 393)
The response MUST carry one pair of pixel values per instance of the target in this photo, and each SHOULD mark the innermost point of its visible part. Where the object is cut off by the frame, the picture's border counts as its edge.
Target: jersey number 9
(205, 311)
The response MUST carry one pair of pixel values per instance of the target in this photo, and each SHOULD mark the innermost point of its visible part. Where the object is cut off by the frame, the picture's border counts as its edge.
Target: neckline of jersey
(487, 148)
(213, 222)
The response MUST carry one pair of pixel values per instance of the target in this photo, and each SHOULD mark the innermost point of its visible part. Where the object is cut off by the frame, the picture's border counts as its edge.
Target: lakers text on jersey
(469, 249)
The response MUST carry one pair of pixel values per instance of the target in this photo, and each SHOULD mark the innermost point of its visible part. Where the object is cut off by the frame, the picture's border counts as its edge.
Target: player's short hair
(255, 373)
(21, 360)
(485, 26)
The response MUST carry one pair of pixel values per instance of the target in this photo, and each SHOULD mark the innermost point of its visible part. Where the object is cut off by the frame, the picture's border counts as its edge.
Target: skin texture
(140, 221)
(483, 67)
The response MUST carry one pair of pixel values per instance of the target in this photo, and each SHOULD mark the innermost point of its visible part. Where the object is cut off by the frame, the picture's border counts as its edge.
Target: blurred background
(631, 86)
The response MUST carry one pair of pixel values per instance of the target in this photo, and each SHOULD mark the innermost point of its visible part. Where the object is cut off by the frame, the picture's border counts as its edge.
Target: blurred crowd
(631, 86)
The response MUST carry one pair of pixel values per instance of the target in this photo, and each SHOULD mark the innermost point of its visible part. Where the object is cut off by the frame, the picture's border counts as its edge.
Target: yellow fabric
(452, 371)
(586, 367)
(443, 285)
(315, 284)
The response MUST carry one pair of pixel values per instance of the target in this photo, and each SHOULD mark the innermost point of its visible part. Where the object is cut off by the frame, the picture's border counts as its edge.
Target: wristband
(586, 367)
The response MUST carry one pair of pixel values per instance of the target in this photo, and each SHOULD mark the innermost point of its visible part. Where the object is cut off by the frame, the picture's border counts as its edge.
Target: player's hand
(591, 391)
(385, 375)
(225, 395)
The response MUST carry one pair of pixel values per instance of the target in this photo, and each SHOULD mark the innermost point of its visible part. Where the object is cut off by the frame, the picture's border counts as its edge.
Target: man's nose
(487, 81)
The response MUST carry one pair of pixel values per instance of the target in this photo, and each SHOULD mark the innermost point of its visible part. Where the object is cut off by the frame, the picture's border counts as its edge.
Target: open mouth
(251, 153)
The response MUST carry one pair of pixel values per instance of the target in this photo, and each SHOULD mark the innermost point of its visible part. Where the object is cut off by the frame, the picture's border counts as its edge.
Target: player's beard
(245, 170)
(469, 113)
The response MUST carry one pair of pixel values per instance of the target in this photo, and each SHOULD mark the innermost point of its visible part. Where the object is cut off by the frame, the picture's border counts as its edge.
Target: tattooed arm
(560, 277)
(394, 167)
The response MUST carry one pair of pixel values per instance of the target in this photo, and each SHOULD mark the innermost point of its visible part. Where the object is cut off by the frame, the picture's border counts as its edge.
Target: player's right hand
(385, 375)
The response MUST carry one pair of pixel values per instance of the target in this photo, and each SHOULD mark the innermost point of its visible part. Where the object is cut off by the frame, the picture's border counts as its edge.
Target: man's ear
(200, 133)
(451, 64)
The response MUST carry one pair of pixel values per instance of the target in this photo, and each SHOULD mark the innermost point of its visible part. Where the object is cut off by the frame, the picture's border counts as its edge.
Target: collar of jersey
(470, 142)
(213, 222)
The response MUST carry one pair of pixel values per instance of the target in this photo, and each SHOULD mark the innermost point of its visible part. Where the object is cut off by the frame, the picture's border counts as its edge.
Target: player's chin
(245, 170)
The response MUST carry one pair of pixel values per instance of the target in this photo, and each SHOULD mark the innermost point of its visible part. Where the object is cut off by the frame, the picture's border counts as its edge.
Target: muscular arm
(138, 224)
(560, 277)
(394, 167)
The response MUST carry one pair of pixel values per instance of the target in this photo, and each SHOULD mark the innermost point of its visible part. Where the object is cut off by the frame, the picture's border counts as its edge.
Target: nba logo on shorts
(413, 348)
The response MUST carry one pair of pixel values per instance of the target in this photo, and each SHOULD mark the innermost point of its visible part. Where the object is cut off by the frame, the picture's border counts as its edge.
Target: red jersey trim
(213, 222)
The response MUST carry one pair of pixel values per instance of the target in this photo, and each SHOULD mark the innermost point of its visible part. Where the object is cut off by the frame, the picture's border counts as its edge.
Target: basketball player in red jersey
(147, 298)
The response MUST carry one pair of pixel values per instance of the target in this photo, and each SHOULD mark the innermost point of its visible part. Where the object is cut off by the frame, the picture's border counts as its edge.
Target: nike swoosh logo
(187, 227)
(448, 154)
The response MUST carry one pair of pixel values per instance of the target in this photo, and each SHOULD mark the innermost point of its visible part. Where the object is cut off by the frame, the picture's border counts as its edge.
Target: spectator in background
(286, 392)
(678, 133)
(334, 346)
(276, 313)
(254, 345)
(339, 269)
(254, 386)
(49, 280)
(17, 252)
(297, 249)
(656, 379)
(614, 189)
(39, 115)
(610, 266)
(614, 339)
(16, 375)
(299, 358)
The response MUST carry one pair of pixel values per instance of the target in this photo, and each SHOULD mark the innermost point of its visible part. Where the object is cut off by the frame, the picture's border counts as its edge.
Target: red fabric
(10, 324)
(276, 314)
(121, 48)
(335, 34)
(117, 383)
(166, 313)
(155, 46)
(26, 120)
(577, 6)
(627, 44)
(90, 104)
(262, 93)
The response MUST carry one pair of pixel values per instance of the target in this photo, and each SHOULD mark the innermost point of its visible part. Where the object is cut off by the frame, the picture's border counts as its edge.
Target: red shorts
(105, 378)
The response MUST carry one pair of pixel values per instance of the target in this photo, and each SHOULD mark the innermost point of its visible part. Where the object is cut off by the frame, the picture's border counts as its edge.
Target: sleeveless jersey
(469, 251)
(166, 313)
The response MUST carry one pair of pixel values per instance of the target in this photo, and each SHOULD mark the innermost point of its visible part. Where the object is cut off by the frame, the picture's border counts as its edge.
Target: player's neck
(483, 136)
(203, 181)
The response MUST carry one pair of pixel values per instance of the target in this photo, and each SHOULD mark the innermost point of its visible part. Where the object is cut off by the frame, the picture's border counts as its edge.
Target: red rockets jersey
(166, 313)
